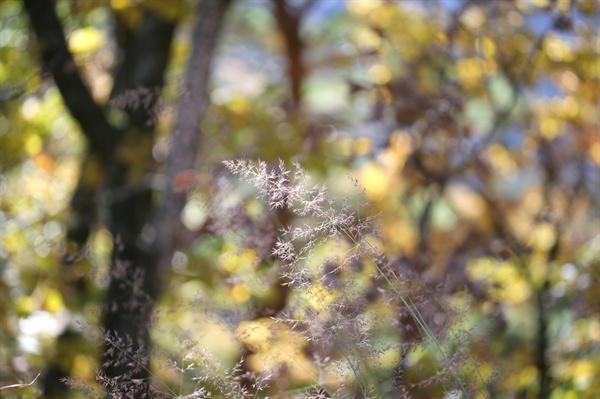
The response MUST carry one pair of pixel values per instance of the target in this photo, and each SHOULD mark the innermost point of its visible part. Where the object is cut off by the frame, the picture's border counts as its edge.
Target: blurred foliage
(472, 127)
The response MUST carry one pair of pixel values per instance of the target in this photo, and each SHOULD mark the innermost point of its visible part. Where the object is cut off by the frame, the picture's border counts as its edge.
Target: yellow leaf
(366, 38)
(594, 152)
(119, 5)
(557, 50)
(528, 376)
(380, 74)
(240, 105)
(473, 18)
(516, 292)
(501, 160)
(86, 40)
(320, 297)
(469, 205)
(550, 128)
(344, 146)
(54, 301)
(584, 373)
(302, 370)
(24, 305)
(232, 260)
(240, 293)
(83, 367)
(543, 237)
(362, 146)
(375, 182)
(33, 145)
(257, 335)
(486, 46)
(470, 70)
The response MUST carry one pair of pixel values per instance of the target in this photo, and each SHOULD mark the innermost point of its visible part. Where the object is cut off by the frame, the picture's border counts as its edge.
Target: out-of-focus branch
(289, 25)
(543, 364)
(502, 115)
(144, 64)
(59, 61)
(146, 54)
(78, 100)
(185, 139)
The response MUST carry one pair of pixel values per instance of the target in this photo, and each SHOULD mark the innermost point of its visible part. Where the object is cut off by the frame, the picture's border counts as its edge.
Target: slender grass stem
(412, 308)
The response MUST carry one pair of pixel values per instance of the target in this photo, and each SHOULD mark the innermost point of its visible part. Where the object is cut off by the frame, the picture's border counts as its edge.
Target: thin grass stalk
(415, 314)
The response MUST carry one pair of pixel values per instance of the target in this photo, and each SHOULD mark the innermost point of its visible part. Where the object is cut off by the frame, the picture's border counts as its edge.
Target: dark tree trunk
(142, 68)
(142, 262)
(131, 291)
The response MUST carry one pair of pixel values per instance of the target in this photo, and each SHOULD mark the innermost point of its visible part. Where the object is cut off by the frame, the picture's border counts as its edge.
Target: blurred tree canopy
(471, 127)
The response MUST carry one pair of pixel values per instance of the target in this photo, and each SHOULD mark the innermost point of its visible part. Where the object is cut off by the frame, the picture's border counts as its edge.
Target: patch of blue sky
(322, 10)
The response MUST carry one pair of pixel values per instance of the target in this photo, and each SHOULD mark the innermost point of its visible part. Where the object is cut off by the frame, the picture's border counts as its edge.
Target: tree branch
(185, 140)
(59, 61)
(289, 25)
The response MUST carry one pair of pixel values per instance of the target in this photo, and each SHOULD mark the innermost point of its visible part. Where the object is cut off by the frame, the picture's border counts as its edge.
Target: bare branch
(19, 386)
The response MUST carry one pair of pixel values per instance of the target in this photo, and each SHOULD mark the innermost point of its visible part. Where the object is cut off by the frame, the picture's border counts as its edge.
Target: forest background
(134, 262)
